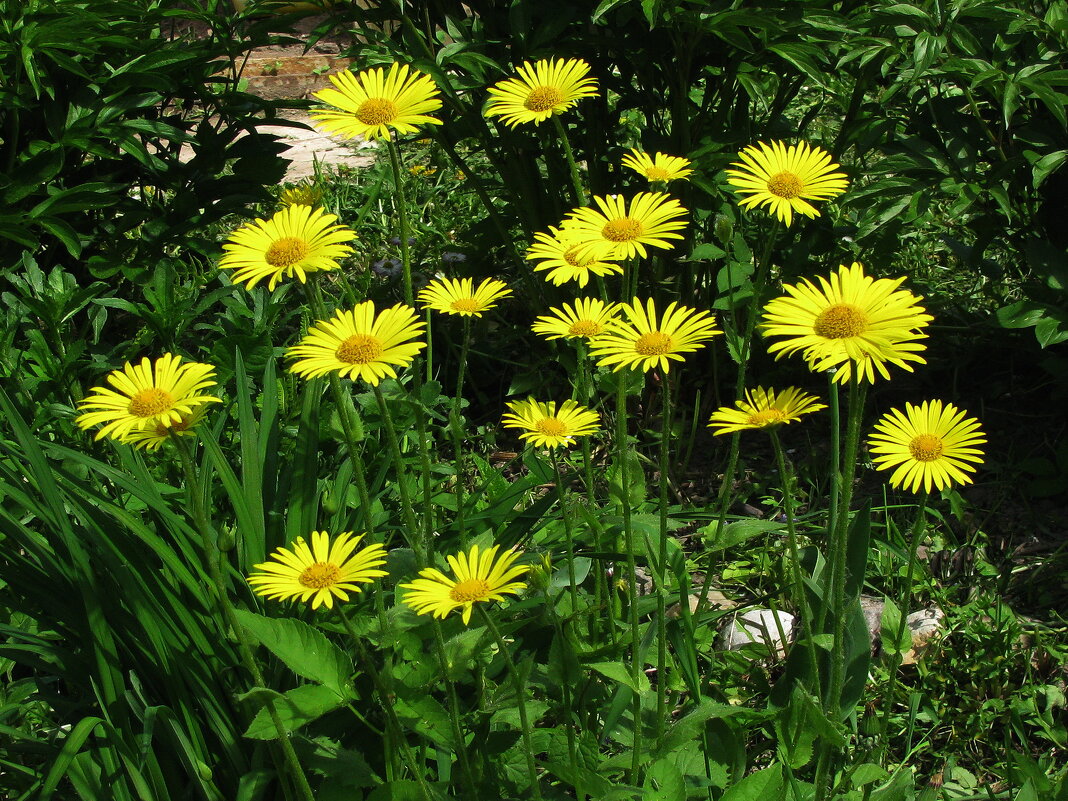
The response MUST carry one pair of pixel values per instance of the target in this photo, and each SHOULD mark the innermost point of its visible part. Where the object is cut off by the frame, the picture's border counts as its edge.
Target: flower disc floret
(320, 572)
(357, 343)
(480, 577)
(371, 103)
(764, 408)
(460, 296)
(658, 168)
(544, 426)
(784, 178)
(850, 322)
(296, 241)
(542, 89)
(146, 396)
(641, 341)
(621, 230)
(930, 446)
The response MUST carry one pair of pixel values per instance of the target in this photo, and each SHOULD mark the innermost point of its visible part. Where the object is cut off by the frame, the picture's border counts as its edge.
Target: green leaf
(304, 650)
(627, 479)
(890, 626)
(760, 786)
(736, 533)
(618, 672)
(663, 782)
(295, 707)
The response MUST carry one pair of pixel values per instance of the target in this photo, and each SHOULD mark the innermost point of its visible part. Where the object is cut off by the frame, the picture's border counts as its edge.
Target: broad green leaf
(295, 707)
(764, 785)
(618, 672)
(304, 650)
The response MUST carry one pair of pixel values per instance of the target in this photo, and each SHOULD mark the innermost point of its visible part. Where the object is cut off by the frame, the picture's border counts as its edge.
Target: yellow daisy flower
(642, 343)
(588, 318)
(304, 194)
(545, 88)
(371, 102)
(148, 396)
(480, 577)
(297, 240)
(931, 445)
(785, 178)
(851, 322)
(459, 295)
(545, 427)
(652, 218)
(321, 572)
(358, 344)
(659, 167)
(567, 256)
(153, 437)
(764, 408)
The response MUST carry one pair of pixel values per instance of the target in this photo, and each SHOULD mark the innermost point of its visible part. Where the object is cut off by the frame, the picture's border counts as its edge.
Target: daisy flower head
(151, 438)
(620, 230)
(302, 194)
(145, 396)
(542, 89)
(320, 572)
(764, 408)
(357, 343)
(460, 296)
(544, 426)
(785, 178)
(480, 577)
(658, 168)
(568, 256)
(373, 102)
(642, 341)
(588, 318)
(851, 322)
(296, 241)
(932, 445)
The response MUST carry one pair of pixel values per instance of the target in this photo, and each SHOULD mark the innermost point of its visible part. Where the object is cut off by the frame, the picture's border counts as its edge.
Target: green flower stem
(385, 698)
(402, 218)
(662, 556)
(212, 559)
(576, 178)
(521, 705)
(834, 587)
(727, 487)
(454, 709)
(569, 534)
(583, 391)
(632, 569)
(456, 428)
(895, 659)
(398, 466)
(800, 593)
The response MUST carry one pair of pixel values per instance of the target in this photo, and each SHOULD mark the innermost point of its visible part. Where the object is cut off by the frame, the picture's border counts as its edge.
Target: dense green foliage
(122, 677)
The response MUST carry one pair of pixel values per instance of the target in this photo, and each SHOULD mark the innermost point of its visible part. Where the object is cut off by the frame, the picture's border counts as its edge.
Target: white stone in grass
(759, 626)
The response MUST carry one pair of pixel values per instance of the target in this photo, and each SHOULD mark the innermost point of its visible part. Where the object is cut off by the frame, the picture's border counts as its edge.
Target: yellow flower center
(584, 328)
(551, 427)
(653, 344)
(286, 252)
(766, 417)
(359, 349)
(785, 185)
(473, 589)
(376, 111)
(840, 321)
(543, 98)
(657, 174)
(468, 305)
(926, 448)
(622, 229)
(150, 402)
(319, 575)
